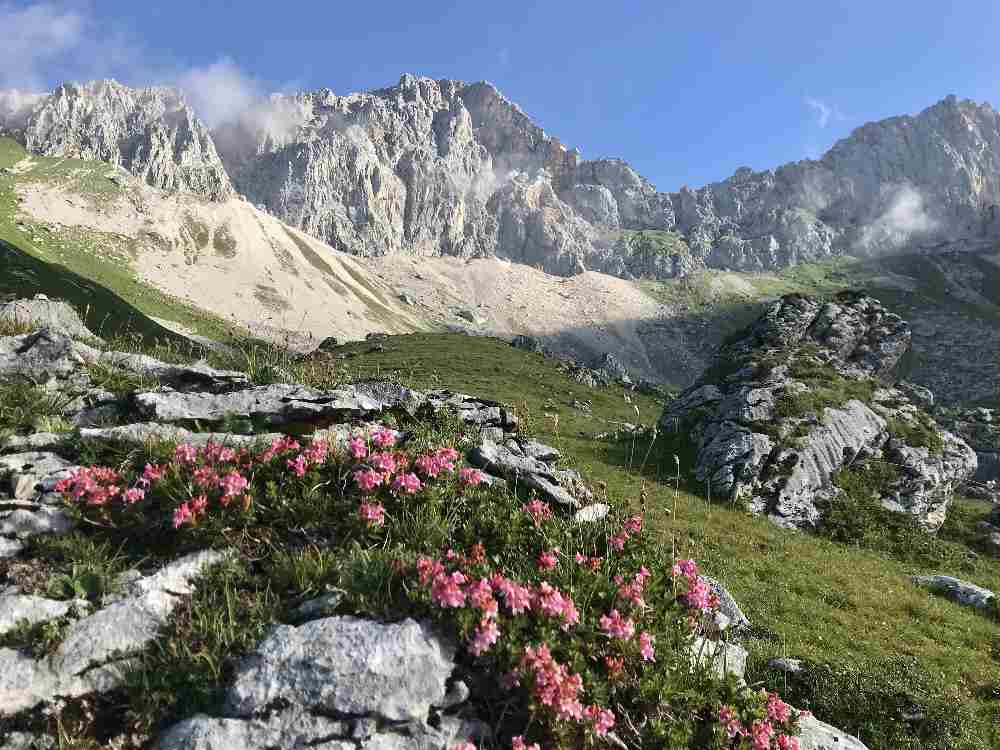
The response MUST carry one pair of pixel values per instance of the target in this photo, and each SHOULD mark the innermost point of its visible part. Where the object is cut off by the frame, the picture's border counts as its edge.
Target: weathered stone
(346, 665)
(23, 523)
(738, 622)
(90, 657)
(816, 735)
(151, 132)
(550, 483)
(25, 472)
(592, 513)
(17, 608)
(724, 659)
(144, 432)
(25, 741)
(789, 666)
(46, 313)
(759, 440)
(42, 355)
(962, 592)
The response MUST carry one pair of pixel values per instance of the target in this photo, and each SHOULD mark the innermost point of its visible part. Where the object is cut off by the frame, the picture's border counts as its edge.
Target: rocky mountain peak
(152, 132)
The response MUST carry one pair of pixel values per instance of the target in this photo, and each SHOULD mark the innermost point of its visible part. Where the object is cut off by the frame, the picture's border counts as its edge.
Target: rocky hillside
(449, 168)
(151, 132)
(800, 404)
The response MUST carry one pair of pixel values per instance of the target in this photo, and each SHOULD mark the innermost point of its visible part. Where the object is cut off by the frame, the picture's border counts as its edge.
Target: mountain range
(443, 167)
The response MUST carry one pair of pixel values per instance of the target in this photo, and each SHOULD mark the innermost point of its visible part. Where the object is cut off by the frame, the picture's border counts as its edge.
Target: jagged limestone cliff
(442, 167)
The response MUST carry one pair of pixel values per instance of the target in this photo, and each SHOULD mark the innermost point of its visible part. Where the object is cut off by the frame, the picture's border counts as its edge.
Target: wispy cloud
(824, 112)
(33, 36)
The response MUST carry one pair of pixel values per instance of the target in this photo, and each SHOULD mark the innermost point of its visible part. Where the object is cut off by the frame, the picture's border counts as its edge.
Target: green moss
(920, 433)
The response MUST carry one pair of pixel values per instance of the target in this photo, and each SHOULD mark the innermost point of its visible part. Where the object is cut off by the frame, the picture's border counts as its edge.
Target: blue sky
(685, 91)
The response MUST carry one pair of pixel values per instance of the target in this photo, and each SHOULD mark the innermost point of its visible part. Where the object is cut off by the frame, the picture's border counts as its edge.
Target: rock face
(444, 167)
(151, 132)
(45, 313)
(802, 394)
(93, 652)
(438, 167)
(383, 680)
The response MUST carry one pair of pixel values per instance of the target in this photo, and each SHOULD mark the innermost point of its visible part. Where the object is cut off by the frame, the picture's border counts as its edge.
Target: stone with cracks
(728, 606)
(42, 312)
(962, 592)
(18, 608)
(297, 729)
(817, 735)
(143, 432)
(346, 665)
(799, 396)
(551, 484)
(91, 655)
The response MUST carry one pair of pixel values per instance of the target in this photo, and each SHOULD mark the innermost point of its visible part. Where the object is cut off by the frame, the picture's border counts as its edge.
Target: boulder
(345, 665)
(816, 735)
(959, 591)
(42, 312)
(95, 648)
(800, 395)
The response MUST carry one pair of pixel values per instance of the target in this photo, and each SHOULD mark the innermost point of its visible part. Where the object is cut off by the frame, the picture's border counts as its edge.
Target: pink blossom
(787, 742)
(618, 541)
(517, 598)
(633, 525)
(464, 746)
(761, 733)
(383, 438)
(182, 515)
(730, 723)
(552, 602)
(204, 476)
(151, 473)
(686, 568)
(428, 465)
(538, 510)
(317, 452)
(383, 462)
(134, 495)
(367, 479)
(199, 504)
(297, 465)
(553, 684)
(357, 448)
(615, 666)
(485, 636)
(777, 710)
(372, 513)
(480, 595)
(646, 647)
(617, 626)
(185, 453)
(233, 484)
(548, 560)
(446, 590)
(603, 719)
(518, 743)
(407, 484)
(469, 477)
(427, 569)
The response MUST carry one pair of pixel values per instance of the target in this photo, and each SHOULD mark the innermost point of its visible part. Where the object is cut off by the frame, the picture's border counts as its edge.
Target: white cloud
(33, 36)
(904, 220)
(823, 111)
(219, 92)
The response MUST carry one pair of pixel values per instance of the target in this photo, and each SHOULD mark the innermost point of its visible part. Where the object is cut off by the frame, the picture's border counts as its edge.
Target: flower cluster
(633, 527)
(773, 731)
(697, 595)
(212, 477)
(93, 485)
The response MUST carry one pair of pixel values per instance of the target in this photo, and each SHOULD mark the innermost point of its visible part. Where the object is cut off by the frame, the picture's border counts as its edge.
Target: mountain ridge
(444, 167)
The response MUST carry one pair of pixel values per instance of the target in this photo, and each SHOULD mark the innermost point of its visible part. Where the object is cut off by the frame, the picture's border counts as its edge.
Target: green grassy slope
(853, 609)
(89, 268)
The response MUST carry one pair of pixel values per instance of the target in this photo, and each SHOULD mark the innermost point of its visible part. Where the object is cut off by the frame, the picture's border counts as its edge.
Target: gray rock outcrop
(384, 681)
(42, 312)
(94, 650)
(962, 592)
(802, 394)
(151, 132)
